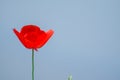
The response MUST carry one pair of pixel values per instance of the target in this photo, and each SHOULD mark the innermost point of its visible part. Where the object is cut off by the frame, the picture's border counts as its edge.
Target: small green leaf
(70, 77)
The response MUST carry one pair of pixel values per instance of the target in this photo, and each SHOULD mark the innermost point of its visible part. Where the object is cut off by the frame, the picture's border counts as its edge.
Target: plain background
(86, 43)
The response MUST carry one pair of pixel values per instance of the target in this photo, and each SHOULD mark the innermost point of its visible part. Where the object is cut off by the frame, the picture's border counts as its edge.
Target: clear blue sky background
(86, 42)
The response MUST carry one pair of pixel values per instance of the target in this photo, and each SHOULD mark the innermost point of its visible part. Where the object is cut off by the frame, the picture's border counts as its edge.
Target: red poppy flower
(32, 37)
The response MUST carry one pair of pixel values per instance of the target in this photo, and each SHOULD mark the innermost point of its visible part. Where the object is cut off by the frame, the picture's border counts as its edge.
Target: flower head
(32, 37)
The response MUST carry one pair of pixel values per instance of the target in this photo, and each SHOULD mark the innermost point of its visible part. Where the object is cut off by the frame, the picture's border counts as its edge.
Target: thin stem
(32, 64)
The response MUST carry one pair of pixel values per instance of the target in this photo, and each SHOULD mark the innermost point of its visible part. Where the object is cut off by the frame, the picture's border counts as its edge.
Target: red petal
(20, 37)
(48, 35)
(29, 28)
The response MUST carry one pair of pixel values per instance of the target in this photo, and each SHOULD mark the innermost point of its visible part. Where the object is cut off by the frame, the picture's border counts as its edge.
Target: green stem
(32, 64)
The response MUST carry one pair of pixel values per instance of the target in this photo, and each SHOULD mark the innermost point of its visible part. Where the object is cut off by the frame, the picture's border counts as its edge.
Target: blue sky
(86, 43)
